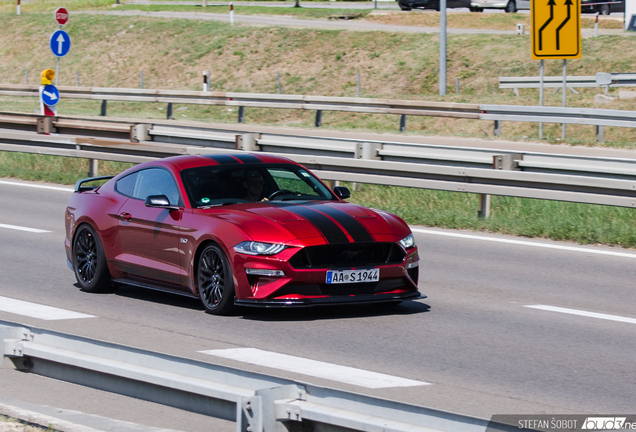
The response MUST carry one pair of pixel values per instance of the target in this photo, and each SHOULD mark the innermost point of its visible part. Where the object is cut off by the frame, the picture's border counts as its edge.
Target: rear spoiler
(80, 188)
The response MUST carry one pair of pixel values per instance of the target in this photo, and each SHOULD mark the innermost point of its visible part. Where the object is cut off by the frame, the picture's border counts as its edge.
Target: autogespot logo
(604, 423)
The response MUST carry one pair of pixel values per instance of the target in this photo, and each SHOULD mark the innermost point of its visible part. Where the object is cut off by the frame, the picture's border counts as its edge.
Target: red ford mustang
(237, 229)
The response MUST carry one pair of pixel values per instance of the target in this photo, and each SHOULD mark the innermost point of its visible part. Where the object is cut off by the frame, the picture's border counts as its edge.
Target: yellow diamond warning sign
(556, 29)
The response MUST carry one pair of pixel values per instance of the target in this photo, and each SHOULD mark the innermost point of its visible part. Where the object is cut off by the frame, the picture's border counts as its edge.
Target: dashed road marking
(584, 313)
(38, 186)
(314, 368)
(21, 228)
(34, 310)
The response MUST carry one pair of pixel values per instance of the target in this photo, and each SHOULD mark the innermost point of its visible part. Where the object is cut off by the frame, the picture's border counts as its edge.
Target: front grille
(347, 255)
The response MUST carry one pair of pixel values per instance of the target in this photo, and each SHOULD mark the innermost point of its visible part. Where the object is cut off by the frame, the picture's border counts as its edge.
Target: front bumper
(331, 301)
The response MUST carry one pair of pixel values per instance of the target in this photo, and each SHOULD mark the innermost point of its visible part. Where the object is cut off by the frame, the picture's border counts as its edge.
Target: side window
(126, 185)
(289, 180)
(156, 181)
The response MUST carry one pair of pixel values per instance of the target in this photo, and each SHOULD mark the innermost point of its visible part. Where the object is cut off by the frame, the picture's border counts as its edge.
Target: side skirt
(148, 285)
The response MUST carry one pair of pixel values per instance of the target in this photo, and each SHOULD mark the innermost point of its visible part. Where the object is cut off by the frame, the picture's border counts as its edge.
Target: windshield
(221, 185)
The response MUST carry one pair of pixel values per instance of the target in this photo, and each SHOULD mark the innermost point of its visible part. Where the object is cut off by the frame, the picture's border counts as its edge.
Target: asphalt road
(474, 339)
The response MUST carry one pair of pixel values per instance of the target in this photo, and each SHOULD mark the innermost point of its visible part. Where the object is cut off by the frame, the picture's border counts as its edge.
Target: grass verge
(111, 51)
(582, 223)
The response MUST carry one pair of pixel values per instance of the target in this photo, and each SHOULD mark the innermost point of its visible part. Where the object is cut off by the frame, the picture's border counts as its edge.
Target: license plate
(353, 276)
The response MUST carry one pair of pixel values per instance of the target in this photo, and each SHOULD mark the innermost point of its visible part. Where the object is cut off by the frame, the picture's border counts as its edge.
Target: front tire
(604, 9)
(214, 281)
(89, 262)
(511, 7)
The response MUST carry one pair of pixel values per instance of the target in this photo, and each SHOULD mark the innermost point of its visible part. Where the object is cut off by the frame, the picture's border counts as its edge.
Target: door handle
(125, 216)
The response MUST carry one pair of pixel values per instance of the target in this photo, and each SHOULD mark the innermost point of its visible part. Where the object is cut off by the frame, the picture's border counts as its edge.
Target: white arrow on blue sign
(60, 43)
(50, 95)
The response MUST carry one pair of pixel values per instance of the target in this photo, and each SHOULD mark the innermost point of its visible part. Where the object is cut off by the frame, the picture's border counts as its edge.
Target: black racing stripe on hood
(224, 159)
(329, 229)
(353, 226)
(248, 159)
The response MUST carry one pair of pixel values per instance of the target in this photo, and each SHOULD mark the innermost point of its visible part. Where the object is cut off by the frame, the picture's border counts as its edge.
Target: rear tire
(476, 9)
(511, 7)
(605, 9)
(214, 281)
(89, 262)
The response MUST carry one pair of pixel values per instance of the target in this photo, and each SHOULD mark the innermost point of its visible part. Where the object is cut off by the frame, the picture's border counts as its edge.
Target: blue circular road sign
(50, 95)
(60, 43)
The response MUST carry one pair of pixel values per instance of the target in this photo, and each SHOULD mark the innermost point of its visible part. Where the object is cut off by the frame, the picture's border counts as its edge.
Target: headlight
(408, 241)
(256, 248)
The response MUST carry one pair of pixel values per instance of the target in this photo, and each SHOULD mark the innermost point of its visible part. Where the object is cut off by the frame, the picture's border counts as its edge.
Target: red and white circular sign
(61, 15)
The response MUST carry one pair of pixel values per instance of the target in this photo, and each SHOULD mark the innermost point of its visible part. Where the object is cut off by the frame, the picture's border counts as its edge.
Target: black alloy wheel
(214, 281)
(511, 7)
(89, 262)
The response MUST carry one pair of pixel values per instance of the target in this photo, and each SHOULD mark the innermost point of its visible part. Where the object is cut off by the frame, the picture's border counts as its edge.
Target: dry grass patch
(488, 21)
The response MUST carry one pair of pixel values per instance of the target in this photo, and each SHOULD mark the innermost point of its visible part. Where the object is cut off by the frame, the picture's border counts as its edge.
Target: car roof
(227, 159)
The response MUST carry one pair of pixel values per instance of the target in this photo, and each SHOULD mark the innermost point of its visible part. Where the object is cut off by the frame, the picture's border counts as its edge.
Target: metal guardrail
(403, 108)
(257, 100)
(592, 180)
(256, 402)
(601, 79)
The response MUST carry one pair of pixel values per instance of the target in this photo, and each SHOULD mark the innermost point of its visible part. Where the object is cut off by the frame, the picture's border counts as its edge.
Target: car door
(150, 235)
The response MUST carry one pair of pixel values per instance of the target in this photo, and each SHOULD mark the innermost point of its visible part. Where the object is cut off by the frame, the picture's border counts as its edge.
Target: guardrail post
(169, 111)
(45, 125)
(599, 133)
(241, 114)
(367, 150)
(499, 162)
(497, 127)
(402, 122)
(93, 167)
(103, 109)
(247, 142)
(484, 206)
(318, 118)
(139, 132)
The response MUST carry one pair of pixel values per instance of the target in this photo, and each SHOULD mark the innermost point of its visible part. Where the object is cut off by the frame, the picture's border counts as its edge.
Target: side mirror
(342, 192)
(160, 201)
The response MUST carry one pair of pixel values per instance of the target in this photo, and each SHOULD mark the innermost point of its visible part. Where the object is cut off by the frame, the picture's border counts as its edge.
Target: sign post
(60, 42)
(556, 34)
(49, 95)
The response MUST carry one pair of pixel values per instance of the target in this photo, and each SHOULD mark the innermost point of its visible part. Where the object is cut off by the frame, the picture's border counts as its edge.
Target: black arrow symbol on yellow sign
(568, 3)
(551, 3)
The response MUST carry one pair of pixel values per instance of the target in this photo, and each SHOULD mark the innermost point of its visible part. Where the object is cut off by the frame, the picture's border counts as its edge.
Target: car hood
(315, 222)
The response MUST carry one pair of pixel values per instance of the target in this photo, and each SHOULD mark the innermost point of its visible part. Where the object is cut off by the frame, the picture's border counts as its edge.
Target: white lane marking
(39, 186)
(39, 311)
(19, 228)
(526, 243)
(584, 313)
(314, 368)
